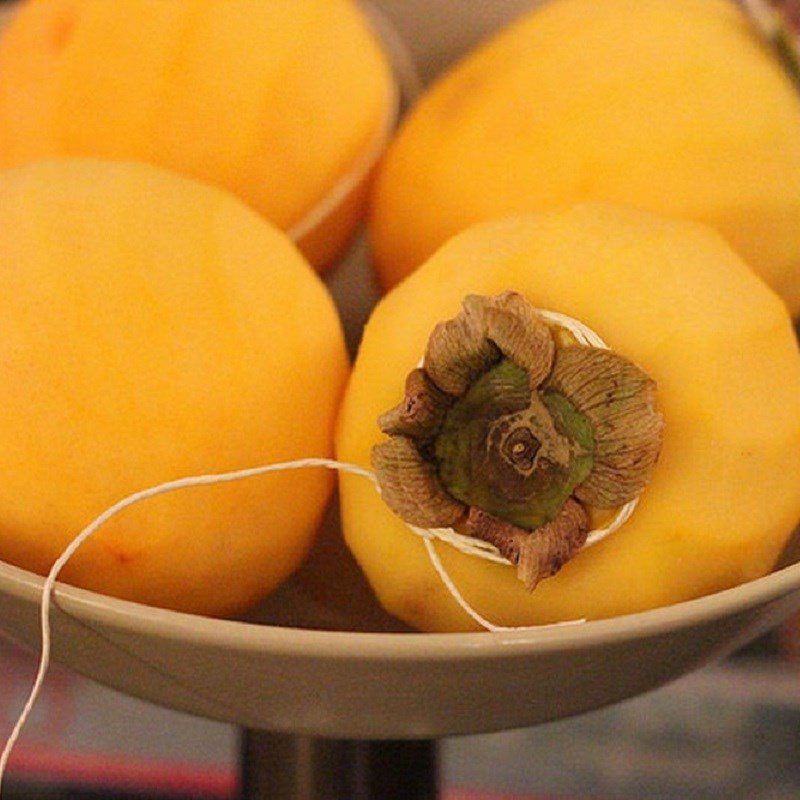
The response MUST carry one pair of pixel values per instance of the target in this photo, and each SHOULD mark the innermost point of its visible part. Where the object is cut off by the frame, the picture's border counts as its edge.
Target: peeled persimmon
(674, 106)
(153, 328)
(280, 103)
(702, 423)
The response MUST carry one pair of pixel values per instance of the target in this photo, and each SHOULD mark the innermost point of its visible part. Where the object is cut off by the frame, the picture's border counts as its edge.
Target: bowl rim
(250, 637)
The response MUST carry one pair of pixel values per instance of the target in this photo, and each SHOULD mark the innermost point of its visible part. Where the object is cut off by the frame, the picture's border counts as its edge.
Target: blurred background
(729, 730)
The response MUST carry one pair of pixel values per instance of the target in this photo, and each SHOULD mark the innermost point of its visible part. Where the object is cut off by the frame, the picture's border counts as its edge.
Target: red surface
(85, 769)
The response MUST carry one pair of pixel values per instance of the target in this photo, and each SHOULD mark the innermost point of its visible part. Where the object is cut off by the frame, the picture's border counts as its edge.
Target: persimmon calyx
(511, 431)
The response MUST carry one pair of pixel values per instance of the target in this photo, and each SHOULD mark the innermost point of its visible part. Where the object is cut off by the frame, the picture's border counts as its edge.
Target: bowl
(318, 662)
(322, 659)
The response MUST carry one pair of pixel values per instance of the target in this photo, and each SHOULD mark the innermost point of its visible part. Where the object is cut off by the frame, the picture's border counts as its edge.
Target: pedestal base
(283, 767)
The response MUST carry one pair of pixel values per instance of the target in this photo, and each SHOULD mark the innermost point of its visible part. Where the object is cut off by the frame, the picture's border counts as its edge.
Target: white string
(170, 486)
(465, 544)
(776, 26)
(765, 17)
(582, 333)
(459, 598)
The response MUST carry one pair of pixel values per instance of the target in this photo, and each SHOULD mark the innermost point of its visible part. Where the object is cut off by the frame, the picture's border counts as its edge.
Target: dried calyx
(511, 432)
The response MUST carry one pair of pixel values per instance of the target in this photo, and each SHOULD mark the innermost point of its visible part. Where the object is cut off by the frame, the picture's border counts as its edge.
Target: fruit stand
(338, 698)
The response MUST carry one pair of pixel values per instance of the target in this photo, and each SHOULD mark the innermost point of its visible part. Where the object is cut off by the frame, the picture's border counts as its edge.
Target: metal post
(284, 767)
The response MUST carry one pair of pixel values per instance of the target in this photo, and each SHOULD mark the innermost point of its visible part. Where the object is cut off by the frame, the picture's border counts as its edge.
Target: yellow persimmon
(675, 299)
(675, 106)
(276, 102)
(152, 327)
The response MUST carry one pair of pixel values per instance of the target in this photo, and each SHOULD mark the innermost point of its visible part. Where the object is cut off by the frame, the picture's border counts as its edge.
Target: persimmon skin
(671, 296)
(153, 328)
(674, 106)
(275, 102)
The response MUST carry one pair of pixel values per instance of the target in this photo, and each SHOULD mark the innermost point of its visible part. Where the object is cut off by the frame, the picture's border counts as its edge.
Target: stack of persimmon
(632, 164)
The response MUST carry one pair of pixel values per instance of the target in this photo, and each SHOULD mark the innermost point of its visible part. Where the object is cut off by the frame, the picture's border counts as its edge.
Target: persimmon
(707, 381)
(674, 106)
(152, 328)
(280, 103)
